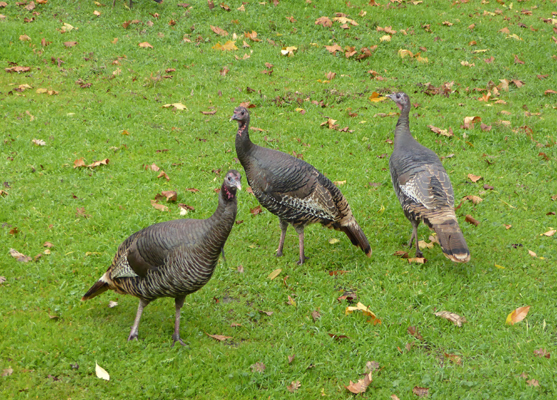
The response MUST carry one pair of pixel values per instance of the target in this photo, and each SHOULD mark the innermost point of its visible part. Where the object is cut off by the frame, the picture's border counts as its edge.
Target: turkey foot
(176, 338)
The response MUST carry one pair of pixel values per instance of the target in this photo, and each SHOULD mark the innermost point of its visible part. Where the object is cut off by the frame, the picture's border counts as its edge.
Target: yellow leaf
(228, 46)
(274, 274)
(385, 38)
(365, 310)
(405, 53)
(499, 266)
(550, 233)
(514, 36)
(517, 315)
(101, 372)
(177, 106)
(333, 240)
(288, 51)
(24, 38)
(97, 13)
(291, 301)
(344, 20)
(376, 97)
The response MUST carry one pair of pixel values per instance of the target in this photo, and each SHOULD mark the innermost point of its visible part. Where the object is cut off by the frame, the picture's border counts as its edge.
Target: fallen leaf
(293, 386)
(533, 382)
(372, 366)
(453, 358)
(112, 304)
(365, 311)
(454, 318)
(160, 207)
(474, 178)
(417, 260)
(532, 253)
(550, 232)
(24, 38)
(333, 240)
(220, 338)
(517, 315)
(274, 274)
(420, 391)
(98, 163)
(256, 210)
(218, 31)
(315, 315)
(2, 279)
(268, 313)
(291, 301)
(344, 20)
(39, 142)
(470, 121)
(176, 106)
(471, 220)
(145, 45)
(394, 396)
(324, 21)
(549, 91)
(401, 254)
(473, 199)
(19, 256)
(252, 36)
(170, 195)
(542, 353)
(7, 371)
(334, 48)
(442, 132)
(412, 330)
(330, 75)
(228, 46)
(376, 97)
(101, 372)
(288, 51)
(257, 367)
(70, 44)
(361, 385)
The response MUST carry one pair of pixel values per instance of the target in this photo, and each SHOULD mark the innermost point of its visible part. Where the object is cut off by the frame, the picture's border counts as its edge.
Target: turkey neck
(403, 137)
(243, 143)
(222, 220)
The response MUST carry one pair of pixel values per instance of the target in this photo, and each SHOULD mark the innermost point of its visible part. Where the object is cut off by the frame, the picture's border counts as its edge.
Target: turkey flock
(176, 258)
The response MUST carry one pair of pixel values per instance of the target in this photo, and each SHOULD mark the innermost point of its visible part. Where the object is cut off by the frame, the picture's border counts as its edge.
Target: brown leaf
(220, 338)
(518, 60)
(48, 244)
(417, 260)
(293, 386)
(79, 163)
(471, 220)
(453, 358)
(257, 367)
(70, 44)
(361, 385)
(2, 279)
(474, 178)
(19, 256)
(517, 315)
(330, 75)
(412, 330)
(542, 353)
(7, 372)
(334, 48)
(473, 199)
(98, 163)
(504, 30)
(549, 91)
(315, 315)
(533, 382)
(170, 195)
(550, 232)
(268, 313)
(256, 210)
(324, 21)
(454, 318)
(470, 121)
(210, 4)
(164, 175)
(420, 391)
(160, 207)
(80, 212)
(335, 273)
(145, 45)
(218, 31)
(224, 7)
(443, 132)
(372, 366)
(338, 337)
(401, 254)
(291, 358)
(252, 36)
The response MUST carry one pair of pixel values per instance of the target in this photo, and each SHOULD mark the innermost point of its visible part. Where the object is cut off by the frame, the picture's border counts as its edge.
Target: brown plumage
(294, 190)
(172, 258)
(424, 188)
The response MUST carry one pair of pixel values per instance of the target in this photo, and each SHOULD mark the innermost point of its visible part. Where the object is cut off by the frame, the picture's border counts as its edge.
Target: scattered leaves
(19, 256)
(219, 31)
(228, 46)
(361, 385)
(442, 132)
(160, 207)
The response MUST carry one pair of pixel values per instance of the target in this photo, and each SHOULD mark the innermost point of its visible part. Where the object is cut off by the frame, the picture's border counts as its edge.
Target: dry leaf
(112, 304)
(442, 132)
(257, 367)
(293, 386)
(550, 233)
(376, 97)
(256, 210)
(532, 253)
(361, 385)
(474, 178)
(365, 311)
(473, 199)
(220, 338)
(19, 256)
(324, 21)
(471, 220)
(291, 358)
(228, 46)
(288, 51)
(401, 254)
(176, 106)
(274, 274)
(453, 358)
(145, 45)
(160, 207)
(334, 48)
(454, 318)
(291, 301)
(420, 391)
(542, 353)
(417, 260)
(101, 372)
(252, 36)
(517, 315)
(218, 30)
(39, 142)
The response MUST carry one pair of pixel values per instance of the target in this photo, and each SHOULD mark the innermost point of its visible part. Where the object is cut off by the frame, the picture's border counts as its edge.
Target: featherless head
(241, 114)
(401, 99)
(232, 182)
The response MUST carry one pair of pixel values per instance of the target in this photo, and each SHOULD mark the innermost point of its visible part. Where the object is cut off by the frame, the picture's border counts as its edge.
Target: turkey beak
(238, 185)
(391, 96)
(233, 118)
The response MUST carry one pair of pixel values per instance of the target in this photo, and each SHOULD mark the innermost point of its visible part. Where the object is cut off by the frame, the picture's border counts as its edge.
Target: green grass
(127, 92)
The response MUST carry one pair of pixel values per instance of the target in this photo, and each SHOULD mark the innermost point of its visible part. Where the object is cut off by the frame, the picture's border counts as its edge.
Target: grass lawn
(104, 96)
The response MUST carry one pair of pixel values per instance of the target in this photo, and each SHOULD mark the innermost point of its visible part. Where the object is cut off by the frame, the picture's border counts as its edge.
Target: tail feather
(452, 241)
(357, 237)
(98, 288)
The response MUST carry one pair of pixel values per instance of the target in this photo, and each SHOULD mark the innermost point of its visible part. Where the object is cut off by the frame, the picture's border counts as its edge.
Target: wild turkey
(114, 2)
(294, 190)
(172, 258)
(424, 188)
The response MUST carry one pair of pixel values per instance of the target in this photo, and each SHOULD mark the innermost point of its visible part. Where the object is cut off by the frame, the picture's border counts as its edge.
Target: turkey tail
(99, 287)
(357, 237)
(452, 241)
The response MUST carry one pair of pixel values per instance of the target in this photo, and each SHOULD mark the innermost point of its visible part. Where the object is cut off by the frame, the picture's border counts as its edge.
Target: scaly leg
(222, 252)
(283, 227)
(300, 231)
(133, 333)
(415, 224)
(179, 302)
